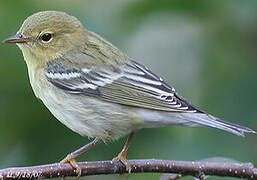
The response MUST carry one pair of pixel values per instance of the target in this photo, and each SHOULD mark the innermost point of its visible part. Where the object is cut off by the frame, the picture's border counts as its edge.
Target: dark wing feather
(131, 84)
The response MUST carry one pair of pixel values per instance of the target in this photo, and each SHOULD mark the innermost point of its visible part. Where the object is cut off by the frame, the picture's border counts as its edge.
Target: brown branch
(194, 168)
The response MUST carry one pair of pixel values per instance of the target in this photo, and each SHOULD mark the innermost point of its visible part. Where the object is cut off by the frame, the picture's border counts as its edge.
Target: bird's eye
(46, 37)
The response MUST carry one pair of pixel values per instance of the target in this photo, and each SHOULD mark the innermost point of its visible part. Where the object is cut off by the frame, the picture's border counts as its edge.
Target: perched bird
(97, 90)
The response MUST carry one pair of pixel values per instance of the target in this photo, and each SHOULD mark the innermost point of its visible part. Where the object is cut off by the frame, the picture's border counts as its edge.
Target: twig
(194, 168)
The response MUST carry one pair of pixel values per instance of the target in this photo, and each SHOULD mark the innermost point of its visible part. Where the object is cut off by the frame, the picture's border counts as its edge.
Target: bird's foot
(122, 158)
(71, 160)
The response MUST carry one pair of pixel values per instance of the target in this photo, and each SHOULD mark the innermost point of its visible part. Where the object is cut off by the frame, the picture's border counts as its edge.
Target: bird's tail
(211, 121)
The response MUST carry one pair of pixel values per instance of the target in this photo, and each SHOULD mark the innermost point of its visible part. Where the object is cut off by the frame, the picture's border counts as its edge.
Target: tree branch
(194, 168)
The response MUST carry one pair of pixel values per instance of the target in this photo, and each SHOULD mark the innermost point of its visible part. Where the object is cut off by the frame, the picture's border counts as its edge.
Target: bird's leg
(70, 158)
(122, 155)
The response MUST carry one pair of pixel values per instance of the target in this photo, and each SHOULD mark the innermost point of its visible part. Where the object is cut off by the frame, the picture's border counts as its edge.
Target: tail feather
(211, 121)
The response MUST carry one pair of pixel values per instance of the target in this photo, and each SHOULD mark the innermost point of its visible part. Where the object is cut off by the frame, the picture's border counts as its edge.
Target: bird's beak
(17, 38)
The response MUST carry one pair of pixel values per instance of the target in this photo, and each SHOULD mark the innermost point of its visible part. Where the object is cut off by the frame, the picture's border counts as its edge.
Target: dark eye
(46, 37)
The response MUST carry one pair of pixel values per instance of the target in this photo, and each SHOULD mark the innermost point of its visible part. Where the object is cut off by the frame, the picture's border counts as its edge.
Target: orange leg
(70, 158)
(122, 155)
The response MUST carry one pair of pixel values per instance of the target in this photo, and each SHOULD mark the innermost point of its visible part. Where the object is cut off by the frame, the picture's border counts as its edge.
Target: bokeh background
(207, 50)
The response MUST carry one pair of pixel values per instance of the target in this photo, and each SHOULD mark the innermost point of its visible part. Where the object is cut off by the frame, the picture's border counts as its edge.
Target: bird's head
(47, 35)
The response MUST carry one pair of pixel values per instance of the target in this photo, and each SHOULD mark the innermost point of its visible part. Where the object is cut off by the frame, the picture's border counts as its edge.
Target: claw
(122, 158)
(74, 164)
(70, 158)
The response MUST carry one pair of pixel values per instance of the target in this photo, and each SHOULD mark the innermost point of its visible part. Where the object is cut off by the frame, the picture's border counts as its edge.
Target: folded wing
(131, 84)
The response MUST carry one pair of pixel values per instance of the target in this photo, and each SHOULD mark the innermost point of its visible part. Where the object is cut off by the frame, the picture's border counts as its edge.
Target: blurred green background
(207, 50)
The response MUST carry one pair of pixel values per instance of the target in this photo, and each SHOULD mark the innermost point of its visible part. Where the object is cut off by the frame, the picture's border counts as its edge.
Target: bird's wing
(130, 84)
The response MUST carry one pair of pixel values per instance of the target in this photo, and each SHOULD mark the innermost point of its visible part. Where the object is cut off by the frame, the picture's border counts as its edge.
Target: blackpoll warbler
(95, 89)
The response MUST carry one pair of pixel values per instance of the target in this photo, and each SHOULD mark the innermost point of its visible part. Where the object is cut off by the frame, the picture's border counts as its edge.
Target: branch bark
(194, 168)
